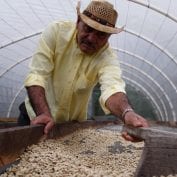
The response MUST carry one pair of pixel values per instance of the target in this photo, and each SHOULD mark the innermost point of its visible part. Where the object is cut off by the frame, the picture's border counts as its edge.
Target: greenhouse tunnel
(146, 50)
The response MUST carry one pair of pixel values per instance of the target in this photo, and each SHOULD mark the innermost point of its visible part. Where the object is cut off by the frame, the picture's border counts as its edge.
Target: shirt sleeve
(110, 81)
(42, 62)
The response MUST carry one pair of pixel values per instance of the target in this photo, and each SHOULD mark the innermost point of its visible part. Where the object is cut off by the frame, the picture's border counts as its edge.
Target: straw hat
(100, 15)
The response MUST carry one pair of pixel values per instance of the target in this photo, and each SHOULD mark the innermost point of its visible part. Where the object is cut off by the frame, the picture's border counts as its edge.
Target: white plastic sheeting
(146, 48)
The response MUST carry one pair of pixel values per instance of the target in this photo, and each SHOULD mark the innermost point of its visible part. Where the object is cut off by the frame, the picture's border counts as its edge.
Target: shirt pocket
(83, 84)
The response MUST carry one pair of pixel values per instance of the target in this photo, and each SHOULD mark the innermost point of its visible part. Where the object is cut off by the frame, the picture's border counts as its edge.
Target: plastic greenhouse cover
(146, 48)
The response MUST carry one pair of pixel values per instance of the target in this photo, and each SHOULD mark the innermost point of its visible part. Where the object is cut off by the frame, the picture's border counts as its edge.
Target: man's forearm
(118, 104)
(38, 100)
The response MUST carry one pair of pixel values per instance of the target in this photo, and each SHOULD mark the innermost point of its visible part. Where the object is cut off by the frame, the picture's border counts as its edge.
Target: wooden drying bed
(14, 140)
(159, 155)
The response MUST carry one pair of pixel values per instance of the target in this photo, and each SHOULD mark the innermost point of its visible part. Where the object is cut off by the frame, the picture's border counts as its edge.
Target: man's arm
(41, 68)
(40, 106)
(119, 105)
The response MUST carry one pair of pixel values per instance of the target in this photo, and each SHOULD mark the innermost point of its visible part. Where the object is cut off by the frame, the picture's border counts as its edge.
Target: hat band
(99, 20)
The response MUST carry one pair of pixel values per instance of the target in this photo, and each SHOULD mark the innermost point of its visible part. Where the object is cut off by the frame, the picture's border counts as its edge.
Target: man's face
(89, 39)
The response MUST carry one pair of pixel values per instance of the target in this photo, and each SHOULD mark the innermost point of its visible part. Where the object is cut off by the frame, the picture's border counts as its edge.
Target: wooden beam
(13, 141)
(159, 157)
(8, 119)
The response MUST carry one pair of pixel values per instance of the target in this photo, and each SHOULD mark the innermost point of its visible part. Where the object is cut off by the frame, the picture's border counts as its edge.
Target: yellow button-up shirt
(69, 76)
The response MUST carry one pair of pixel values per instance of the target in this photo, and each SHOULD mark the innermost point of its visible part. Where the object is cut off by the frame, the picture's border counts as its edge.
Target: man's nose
(92, 36)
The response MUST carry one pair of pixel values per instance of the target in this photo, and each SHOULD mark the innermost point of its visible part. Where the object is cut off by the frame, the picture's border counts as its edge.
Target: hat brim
(98, 26)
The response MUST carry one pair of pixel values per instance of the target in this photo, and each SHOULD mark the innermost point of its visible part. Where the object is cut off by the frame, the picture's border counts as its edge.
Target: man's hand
(46, 120)
(118, 104)
(135, 120)
(40, 106)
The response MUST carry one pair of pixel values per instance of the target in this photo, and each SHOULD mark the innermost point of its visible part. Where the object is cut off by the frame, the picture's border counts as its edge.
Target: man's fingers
(39, 120)
(135, 120)
(34, 122)
(45, 120)
(145, 123)
(48, 127)
(141, 122)
(137, 123)
(128, 137)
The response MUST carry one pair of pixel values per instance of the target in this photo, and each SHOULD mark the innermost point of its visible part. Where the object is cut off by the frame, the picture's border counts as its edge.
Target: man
(68, 63)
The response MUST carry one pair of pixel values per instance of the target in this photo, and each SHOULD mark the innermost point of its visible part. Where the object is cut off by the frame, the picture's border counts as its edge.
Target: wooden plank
(69, 127)
(159, 158)
(154, 131)
(13, 141)
(8, 122)
(8, 119)
(159, 155)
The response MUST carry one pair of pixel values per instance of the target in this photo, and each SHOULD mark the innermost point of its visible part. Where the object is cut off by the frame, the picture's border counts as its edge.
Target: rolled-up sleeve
(111, 82)
(42, 62)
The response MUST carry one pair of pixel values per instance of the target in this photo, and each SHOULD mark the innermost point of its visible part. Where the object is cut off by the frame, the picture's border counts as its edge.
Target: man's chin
(87, 50)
